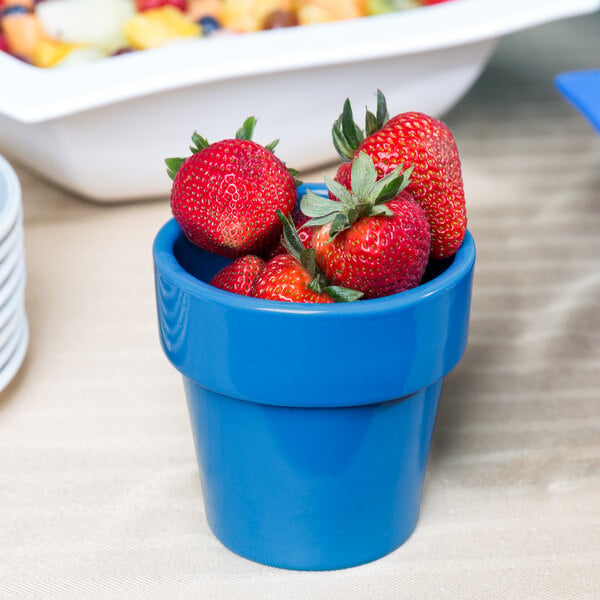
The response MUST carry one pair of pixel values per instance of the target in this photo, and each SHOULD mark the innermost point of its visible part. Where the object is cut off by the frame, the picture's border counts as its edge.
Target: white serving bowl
(103, 129)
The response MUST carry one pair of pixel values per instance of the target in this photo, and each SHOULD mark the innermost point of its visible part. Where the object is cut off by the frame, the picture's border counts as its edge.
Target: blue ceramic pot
(312, 423)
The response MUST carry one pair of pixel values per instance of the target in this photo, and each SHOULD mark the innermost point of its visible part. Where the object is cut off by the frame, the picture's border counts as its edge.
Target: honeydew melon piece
(81, 56)
(87, 22)
(378, 7)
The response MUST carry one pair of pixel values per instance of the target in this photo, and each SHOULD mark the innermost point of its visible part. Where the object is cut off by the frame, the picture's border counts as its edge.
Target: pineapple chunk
(323, 11)
(158, 26)
(250, 15)
(49, 53)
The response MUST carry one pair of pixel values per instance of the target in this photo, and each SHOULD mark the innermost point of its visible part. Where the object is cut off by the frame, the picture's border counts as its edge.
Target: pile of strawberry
(395, 206)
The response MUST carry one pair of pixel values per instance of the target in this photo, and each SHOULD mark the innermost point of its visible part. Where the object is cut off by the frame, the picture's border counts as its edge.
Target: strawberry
(239, 276)
(225, 195)
(285, 279)
(3, 43)
(416, 140)
(304, 233)
(342, 176)
(294, 276)
(143, 5)
(376, 238)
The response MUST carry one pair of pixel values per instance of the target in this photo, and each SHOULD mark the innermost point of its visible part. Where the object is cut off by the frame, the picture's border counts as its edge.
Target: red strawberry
(239, 276)
(376, 238)
(225, 195)
(427, 145)
(285, 279)
(294, 276)
(3, 43)
(143, 5)
(343, 176)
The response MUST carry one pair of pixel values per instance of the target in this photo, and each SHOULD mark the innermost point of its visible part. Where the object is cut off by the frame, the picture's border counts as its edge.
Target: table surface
(99, 492)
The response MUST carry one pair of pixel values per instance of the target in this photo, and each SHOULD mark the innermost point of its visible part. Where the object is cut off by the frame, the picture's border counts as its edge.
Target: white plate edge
(11, 367)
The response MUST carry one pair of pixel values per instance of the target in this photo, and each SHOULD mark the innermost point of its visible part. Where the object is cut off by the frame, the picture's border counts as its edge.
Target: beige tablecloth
(99, 493)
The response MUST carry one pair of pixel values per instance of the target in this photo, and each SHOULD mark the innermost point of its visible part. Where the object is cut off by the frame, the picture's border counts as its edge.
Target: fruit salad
(393, 212)
(58, 33)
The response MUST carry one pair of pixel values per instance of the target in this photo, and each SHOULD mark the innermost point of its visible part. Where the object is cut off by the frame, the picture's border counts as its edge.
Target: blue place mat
(582, 89)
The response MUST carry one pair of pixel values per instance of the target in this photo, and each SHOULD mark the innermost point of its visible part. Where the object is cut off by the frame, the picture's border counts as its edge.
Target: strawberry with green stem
(375, 238)
(294, 275)
(226, 194)
(419, 141)
(304, 233)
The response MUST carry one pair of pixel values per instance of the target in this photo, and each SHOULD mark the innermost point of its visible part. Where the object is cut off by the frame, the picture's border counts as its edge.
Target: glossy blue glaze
(311, 488)
(312, 423)
(356, 353)
(582, 89)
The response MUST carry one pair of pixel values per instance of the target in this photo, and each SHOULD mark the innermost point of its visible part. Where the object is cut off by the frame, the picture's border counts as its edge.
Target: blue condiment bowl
(312, 423)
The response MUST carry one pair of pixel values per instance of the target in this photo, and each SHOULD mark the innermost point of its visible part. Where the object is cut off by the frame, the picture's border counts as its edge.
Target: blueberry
(209, 25)
(16, 9)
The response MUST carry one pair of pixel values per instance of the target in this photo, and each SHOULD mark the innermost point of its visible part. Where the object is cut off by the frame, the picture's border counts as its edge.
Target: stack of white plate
(14, 328)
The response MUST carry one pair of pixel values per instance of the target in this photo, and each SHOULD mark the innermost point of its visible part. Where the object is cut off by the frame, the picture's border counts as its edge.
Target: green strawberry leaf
(382, 112)
(173, 165)
(307, 258)
(406, 175)
(371, 125)
(363, 175)
(294, 173)
(381, 210)
(246, 131)
(339, 223)
(315, 285)
(367, 197)
(317, 221)
(350, 129)
(313, 205)
(357, 211)
(271, 147)
(376, 122)
(338, 190)
(290, 241)
(199, 143)
(343, 148)
(392, 184)
(388, 187)
(342, 294)
(347, 135)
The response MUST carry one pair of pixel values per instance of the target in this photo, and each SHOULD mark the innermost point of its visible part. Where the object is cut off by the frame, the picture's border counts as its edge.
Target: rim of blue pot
(167, 263)
(444, 298)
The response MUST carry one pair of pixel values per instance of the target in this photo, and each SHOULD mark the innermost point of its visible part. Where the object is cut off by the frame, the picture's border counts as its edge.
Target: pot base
(312, 488)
